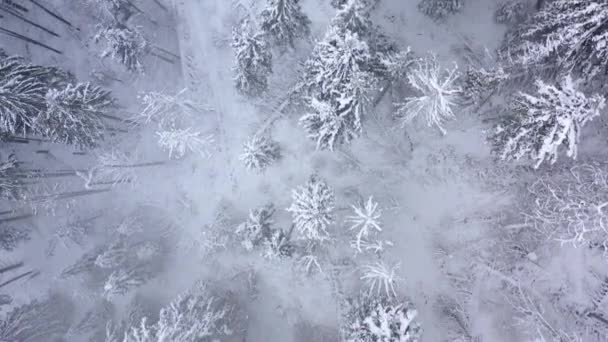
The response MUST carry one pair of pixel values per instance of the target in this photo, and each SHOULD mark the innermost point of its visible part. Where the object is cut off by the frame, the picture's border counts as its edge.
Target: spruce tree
(253, 60)
(283, 21)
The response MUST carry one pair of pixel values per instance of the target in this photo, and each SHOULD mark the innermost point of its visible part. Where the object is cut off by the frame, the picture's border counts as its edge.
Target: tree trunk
(28, 40)
(25, 20)
(51, 13)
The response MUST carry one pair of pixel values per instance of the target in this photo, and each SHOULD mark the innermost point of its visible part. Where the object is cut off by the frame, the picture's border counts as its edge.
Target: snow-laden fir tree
(114, 256)
(259, 152)
(253, 59)
(73, 115)
(438, 93)
(124, 280)
(22, 95)
(284, 22)
(180, 142)
(85, 263)
(125, 45)
(512, 12)
(440, 9)
(11, 237)
(328, 127)
(337, 61)
(278, 245)
(12, 180)
(312, 209)
(169, 110)
(196, 315)
(37, 321)
(365, 220)
(545, 122)
(479, 82)
(257, 228)
(119, 10)
(378, 319)
(570, 33)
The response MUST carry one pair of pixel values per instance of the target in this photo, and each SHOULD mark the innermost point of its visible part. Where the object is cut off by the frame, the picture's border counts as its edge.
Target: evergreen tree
(440, 9)
(541, 124)
(124, 280)
(312, 209)
(11, 237)
(180, 142)
(479, 82)
(380, 319)
(330, 127)
(125, 45)
(283, 21)
(196, 315)
(253, 60)
(73, 115)
(438, 93)
(22, 95)
(257, 228)
(570, 33)
(37, 321)
(259, 152)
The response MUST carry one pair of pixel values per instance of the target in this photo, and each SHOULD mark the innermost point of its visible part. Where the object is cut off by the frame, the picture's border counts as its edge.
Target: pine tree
(365, 220)
(283, 21)
(196, 315)
(512, 12)
(253, 60)
(259, 152)
(22, 95)
(257, 228)
(12, 180)
(440, 9)
(312, 209)
(37, 321)
(124, 280)
(74, 115)
(116, 255)
(330, 127)
(479, 82)
(380, 319)
(11, 237)
(180, 142)
(438, 93)
(125, 45)
(541, 124)
(571, 33)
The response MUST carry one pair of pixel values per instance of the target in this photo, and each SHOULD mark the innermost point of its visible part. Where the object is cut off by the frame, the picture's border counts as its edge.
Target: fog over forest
(303, 171)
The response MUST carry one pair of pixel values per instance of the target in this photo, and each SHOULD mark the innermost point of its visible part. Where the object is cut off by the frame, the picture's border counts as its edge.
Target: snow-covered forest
(303, 170)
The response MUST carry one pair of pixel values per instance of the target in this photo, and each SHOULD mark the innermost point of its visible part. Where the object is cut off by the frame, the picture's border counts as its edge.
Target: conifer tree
(543, 123)
(312, 209)
(283, 21)
(73, 115)
(569, 33)
(253, 60)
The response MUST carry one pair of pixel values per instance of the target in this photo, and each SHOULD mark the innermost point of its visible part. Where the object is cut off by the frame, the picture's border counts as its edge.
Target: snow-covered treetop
(328, 126)
(259, 152)
(312, 209)
(572, 33)
(74, 114)
(381, 320)
(253, 59)
(544, 122)
(123, 44)
(284, 21)
(438, 93)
